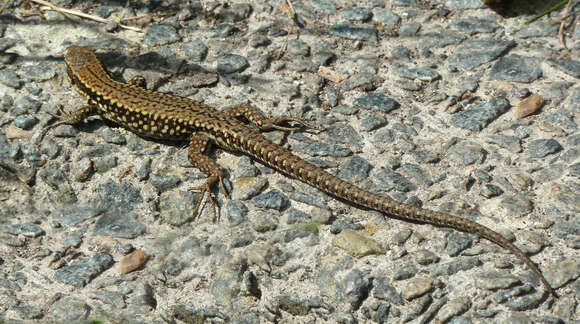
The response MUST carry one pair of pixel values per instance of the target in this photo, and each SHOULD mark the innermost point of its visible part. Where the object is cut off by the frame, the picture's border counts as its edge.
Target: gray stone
(377, 101)
(25, 121)
(326, 6)
(490, 191)
(344, 134)
(356, 288)
(80, 273)
(231, 63)
(474, 53)
(516, 69)
(543, 147)
(237, 12)
(510, 143)
(145, 169)
(421, 73)
(39, 72)
(324, 149)
(479, 116)
(457, 243)
(417, 173)
(196, 50)
(440, 39)
(496, 280)
(25, 105)
(405, 272)
(464, 4)
(389, 180)
(273, 199)
(73, 215)
(164, 183)
(474, 25)
(384, 291)
(401, 53)
(236, 212)
(307, 199)
(538, 29)
(372, 121)
(10, 79)
(517, 206)
(356, 13)
(157, 35)
(386, 17)
(466, 153)
(355, 170)
(571, 67)
(26, 229)
(104, 164)
(298, 47)
(354, 32)
(112, 137)
(176, 208)
(100, 150)
(119, 223)
(69, 309)
(450, 268)
(410, 29)
(248, 187)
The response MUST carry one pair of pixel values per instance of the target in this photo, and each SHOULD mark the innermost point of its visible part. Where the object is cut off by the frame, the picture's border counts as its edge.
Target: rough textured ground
(422, 107)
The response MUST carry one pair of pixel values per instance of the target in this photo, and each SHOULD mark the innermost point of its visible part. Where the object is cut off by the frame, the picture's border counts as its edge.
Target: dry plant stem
(563, 24)
(81, 14)
(6, 3)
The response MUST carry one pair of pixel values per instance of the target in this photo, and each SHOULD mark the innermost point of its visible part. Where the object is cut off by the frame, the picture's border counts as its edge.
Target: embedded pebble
(417, 287)
(474, 53)
(132, 261)
(356, 13)
(81, 272)
(516, 69)
(354, 32)
(356, 244)
(543, 147)
(479, 116)
(230, 63)
(160, 35)
(529, 106)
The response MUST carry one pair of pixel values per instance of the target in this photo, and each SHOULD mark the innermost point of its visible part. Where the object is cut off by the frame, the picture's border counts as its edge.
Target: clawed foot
(62, 117)
(274, 123)
(206, 188)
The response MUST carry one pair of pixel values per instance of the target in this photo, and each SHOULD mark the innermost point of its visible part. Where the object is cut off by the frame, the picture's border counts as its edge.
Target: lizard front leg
(70, 118)
(198, 144)
(74, 117)
(264, 123)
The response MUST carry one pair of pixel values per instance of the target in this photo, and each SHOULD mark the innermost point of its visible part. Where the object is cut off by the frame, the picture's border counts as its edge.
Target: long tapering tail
(283, 160)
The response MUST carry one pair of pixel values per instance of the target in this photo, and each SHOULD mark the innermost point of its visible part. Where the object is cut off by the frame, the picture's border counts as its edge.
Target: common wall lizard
(164, 116)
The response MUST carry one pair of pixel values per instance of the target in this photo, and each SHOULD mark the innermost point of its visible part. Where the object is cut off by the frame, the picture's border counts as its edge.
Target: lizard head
(77, 57)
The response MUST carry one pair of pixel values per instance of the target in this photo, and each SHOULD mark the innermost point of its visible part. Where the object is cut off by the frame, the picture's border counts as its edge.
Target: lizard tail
(283, 160)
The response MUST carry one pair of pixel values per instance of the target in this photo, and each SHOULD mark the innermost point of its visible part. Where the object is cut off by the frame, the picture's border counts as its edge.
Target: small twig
(157, 15)
(81, 14)
(563, 24)
(6, 3)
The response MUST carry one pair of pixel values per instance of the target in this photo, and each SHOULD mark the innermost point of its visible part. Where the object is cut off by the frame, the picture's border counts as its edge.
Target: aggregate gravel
(98, 225)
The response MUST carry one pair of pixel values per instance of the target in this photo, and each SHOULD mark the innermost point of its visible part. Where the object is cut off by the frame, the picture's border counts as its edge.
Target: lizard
(165, 116)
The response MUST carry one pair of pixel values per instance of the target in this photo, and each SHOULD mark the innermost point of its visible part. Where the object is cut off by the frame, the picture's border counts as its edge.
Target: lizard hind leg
(197, 147)
(264, 123)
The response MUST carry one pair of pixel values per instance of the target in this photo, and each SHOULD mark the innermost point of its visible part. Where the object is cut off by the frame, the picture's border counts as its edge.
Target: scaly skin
(164, 116)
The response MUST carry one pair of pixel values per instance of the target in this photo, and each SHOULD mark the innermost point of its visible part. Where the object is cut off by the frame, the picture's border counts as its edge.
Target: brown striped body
(165, 116)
